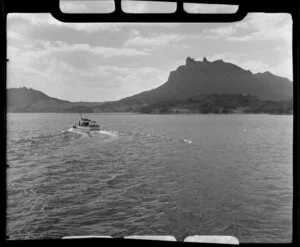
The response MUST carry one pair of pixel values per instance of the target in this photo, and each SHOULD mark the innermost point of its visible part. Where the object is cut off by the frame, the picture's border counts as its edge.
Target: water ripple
(227, 175)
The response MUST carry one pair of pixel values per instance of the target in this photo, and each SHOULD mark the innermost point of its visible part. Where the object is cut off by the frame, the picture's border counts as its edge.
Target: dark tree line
(222, 104)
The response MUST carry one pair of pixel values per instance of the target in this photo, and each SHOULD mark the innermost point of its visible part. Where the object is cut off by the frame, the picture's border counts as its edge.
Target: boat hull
(86, 129)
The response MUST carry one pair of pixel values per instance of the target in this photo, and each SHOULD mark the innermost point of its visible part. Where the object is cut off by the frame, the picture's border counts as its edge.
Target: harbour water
(174, 175)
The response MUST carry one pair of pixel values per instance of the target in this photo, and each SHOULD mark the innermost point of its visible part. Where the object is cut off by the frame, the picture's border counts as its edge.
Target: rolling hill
(30, 100)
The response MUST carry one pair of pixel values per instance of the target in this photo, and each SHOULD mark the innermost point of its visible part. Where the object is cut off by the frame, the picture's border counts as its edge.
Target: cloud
(47, 20)
(271, 26)
(68, 67)
(255, 66)
(106, 82)
(13, 35)
(227, 57)
(77, 66)
(222, 32)
(12, 51)
(148, 7)
(87, 6)
(105, 52)
(72, 7)
(139, 80)
(114, 80)
(133, 57)
(209, 8)
(156, 40)
(284, 68)
(40, 49)
(240, 38)
(255, 27)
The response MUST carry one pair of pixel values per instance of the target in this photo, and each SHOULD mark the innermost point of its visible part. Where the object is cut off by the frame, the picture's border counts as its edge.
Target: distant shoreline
(29, 101)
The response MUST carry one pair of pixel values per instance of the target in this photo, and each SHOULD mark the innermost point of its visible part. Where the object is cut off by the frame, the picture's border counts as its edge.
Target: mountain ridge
(185, 82)
(216, 77)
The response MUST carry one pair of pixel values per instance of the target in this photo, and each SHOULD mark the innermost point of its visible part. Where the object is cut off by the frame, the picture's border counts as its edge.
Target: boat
(86, 125)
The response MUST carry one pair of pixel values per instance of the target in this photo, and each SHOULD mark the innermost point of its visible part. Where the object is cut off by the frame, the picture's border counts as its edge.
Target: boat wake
(72, 130)
(108, 133)
(103, 134)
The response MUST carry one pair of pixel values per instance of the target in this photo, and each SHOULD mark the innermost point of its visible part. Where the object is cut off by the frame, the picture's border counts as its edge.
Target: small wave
(65, 131)
(109, 133)
(187, 141)
(38, 139)
(118, 179)
(73, 161)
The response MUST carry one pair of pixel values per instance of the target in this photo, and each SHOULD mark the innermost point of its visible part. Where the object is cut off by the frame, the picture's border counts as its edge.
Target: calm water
(176, 175)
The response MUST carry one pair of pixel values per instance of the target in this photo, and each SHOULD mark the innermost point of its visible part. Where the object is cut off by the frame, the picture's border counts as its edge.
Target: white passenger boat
(86, 125)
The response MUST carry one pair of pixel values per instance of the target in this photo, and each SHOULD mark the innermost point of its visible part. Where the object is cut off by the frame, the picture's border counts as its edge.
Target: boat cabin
(84, 122)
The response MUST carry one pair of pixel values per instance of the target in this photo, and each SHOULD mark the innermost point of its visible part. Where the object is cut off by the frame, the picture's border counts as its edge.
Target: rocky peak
(219, 61)
(189, 61)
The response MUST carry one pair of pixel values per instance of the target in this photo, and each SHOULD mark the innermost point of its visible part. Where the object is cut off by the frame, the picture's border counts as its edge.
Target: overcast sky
(102, 62)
